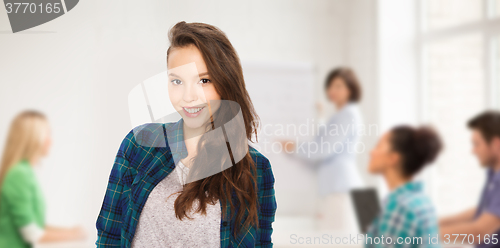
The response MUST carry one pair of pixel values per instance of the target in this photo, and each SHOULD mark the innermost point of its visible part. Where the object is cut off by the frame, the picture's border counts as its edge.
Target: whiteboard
(283, 94)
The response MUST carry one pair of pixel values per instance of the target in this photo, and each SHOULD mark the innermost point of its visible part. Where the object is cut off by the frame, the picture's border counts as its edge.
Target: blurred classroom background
(429, 61)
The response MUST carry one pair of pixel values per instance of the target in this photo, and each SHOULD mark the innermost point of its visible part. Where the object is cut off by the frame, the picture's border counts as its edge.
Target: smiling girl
(149, 202)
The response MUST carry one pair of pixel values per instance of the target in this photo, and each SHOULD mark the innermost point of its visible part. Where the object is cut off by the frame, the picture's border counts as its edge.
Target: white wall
(397, 62)
(361, 54)
(399, 89)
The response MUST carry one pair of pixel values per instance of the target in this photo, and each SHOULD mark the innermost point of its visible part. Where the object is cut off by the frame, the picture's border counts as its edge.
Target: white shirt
(333, 152)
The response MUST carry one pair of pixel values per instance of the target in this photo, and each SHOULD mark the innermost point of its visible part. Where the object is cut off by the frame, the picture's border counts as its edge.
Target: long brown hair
(225, 70)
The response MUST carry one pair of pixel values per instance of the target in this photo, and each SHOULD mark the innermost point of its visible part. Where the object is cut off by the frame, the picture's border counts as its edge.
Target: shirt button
(224, 223)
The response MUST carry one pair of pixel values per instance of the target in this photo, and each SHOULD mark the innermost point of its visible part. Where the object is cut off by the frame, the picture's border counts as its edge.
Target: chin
(192, 124)
(197, 122)
(487, 164)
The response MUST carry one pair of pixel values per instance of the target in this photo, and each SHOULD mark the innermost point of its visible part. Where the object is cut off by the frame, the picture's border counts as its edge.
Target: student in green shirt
(22, 206)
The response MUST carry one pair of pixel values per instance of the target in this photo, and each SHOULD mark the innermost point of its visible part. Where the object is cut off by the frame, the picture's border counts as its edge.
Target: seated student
(407, 218)
(22, 204)
(482, 222)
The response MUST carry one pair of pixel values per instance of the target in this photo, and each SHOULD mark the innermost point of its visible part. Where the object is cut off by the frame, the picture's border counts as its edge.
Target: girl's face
(190, 87)
(382, 156)
(338, 92)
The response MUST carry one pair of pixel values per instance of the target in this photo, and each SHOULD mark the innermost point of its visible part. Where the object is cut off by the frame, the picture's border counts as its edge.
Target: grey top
(158, 226)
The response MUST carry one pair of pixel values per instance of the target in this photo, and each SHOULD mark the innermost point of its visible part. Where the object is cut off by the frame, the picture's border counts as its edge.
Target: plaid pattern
(138, 169)
(407, 213)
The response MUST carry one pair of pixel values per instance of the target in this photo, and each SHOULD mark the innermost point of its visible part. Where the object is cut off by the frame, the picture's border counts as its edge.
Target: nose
(190, 93)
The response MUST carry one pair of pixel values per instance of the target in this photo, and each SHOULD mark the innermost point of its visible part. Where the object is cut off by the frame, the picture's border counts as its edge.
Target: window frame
(489, 27)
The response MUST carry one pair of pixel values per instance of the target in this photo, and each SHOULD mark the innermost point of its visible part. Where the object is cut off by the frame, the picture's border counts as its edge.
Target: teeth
(192, 110)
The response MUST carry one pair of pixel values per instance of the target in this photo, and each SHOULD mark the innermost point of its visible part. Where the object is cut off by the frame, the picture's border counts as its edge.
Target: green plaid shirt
(138, 169)
(407, 218)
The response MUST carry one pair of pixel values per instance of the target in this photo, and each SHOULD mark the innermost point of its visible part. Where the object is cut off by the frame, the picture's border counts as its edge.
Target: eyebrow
(199, 75)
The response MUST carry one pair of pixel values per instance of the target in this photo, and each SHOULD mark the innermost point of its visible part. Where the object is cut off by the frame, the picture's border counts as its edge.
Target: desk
(79, 244)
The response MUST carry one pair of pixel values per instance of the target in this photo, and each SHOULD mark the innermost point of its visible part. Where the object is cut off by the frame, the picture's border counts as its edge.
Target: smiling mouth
(193, 110)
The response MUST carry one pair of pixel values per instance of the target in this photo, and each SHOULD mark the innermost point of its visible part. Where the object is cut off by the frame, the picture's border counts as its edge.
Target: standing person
(336, 165)
(481, 222)
(148, 202)
(22, 206)
(407, 216)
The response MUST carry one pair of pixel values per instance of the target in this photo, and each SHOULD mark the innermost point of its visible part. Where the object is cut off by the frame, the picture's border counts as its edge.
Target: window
(441, 14)
(495, 89)
(494, 10)
(460, 50)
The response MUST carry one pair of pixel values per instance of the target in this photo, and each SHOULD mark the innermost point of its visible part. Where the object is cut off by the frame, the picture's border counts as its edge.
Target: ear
(394, 159)
(495, 144)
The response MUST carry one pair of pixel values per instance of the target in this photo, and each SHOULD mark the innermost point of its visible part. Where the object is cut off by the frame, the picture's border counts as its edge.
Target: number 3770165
(469, 239)
(33, 8)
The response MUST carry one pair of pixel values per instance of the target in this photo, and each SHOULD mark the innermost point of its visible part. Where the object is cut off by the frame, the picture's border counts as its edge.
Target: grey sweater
(158, 226)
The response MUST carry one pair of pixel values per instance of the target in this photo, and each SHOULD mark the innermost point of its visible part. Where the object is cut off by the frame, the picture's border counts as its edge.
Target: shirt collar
(411, 186)
(24, 162)
(175, 136)
(344, 107)
(492, 175)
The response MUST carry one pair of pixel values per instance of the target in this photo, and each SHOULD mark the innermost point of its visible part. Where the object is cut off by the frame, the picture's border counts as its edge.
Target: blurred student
(22, 207)
(335, 156)
(483, 221)
(407, 214)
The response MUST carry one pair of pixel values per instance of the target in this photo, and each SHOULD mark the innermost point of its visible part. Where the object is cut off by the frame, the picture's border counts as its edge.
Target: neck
(189, 132)
(340, 105)
(191, 138)
(33, 161)
(496, 166)
(394, 179)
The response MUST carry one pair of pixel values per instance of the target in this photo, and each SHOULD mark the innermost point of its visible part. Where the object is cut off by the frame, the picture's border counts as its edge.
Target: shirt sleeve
(493, 206)
(268, 206)
(109, 221)
(31, 233)
(19, 197)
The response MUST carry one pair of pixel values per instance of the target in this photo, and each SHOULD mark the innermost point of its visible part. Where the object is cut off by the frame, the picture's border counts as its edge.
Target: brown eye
(205, 81)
